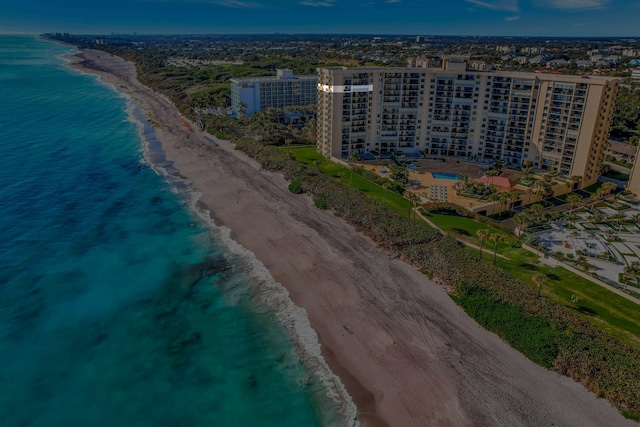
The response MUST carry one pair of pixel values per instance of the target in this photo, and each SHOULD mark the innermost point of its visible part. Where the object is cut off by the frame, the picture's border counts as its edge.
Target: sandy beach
(407, 355)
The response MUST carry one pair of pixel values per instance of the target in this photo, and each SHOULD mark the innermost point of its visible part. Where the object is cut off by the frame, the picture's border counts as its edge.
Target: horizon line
(278, 33)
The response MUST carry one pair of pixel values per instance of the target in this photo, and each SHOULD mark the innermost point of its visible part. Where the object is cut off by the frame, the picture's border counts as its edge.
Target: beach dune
(406, 353)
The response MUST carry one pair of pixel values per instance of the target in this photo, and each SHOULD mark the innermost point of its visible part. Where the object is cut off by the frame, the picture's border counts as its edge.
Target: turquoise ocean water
(118, 306)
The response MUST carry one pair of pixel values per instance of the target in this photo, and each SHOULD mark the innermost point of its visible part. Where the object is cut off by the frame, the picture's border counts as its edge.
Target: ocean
(119, 306)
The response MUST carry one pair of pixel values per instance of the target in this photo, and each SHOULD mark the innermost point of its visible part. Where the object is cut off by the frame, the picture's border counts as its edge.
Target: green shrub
(320, 203)
(532, 335)
(295, 187)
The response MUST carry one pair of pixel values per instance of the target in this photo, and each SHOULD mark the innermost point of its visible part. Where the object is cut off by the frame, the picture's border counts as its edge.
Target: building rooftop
(282, 74)
(515, 74)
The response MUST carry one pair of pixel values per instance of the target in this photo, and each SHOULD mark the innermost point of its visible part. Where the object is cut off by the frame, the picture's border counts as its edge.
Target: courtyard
(608, 240)
(437, 180)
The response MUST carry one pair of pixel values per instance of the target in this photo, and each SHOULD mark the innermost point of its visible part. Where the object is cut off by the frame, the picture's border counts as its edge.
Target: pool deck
(421, 176)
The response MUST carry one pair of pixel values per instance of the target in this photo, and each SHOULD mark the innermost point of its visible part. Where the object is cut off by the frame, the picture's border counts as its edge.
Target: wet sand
(406, 353)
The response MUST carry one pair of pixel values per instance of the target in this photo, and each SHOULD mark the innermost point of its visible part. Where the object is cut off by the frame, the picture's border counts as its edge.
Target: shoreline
(404, 351)
(292, 319)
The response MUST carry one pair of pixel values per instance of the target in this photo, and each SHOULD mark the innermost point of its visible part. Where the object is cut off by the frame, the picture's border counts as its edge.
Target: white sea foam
(272, 294)
(268, 292)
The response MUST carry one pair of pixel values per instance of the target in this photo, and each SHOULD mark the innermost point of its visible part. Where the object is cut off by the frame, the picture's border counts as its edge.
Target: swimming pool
(441, 175)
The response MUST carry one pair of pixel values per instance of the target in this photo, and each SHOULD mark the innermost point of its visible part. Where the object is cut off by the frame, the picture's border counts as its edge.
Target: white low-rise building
(253, 94)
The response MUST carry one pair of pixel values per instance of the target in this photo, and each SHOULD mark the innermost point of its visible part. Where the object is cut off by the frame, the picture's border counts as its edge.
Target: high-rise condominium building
(252, 94)
(557, 122)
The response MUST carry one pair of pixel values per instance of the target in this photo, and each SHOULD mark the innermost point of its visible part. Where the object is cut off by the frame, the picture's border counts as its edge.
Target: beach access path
(407, 354)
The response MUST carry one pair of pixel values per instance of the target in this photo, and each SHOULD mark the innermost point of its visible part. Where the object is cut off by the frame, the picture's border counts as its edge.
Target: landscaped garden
(600, 306)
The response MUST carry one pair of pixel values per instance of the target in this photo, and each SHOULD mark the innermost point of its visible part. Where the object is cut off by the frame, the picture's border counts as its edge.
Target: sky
(566, 18)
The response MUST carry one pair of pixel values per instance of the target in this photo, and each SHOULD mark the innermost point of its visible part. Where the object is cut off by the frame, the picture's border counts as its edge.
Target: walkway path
(471, 245)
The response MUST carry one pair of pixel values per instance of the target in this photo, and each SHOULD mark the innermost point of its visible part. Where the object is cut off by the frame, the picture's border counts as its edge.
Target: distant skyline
(562, 18)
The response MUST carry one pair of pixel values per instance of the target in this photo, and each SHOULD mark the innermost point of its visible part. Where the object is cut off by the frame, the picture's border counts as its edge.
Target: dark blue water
(118, 306)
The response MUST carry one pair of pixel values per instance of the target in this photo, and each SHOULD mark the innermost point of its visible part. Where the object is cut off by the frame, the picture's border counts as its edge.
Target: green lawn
(603, 308)
(308, 155)
(619, 163)
(593, 187)
(618, 175)
(465, 229)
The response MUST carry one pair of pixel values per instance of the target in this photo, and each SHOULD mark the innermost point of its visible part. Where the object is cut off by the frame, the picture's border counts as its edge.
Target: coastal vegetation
(501, 298)
(549, 333)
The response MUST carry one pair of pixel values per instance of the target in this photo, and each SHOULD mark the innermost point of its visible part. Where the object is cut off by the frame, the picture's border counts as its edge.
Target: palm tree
(597, 217)
(494, 197)
(287, 143)
(598, 195)
(581, 261)
(499, 165)
(491, 173)
(413, 198)
(607, 188)
(512, 196)
(575, 179)
(482, 234)
(398, 173)
(416, 201)
(618, 218)
(573, 200)
(536, 208)
(463, 184)
(539, 189)
(496, 238)
(571, 218)
(569, 186)
(540, 280)
(386, 187)
(504, 200)
(633, 268)
(353, 157)
(521, 219)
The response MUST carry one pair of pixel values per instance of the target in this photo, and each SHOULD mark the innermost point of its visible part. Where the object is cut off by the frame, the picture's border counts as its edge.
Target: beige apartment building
(557, 122)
